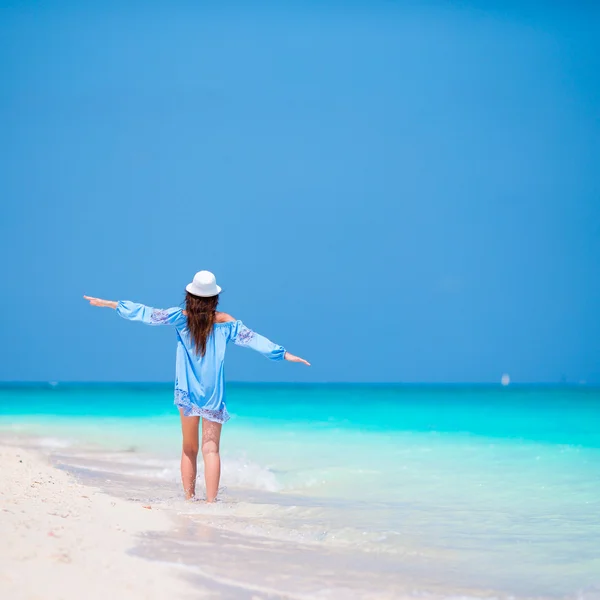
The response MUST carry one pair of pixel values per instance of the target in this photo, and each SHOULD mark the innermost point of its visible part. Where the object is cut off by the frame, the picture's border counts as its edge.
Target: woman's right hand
(296, 359)
(99, 302)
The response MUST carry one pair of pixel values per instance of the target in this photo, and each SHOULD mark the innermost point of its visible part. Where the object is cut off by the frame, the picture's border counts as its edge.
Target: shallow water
(354, 491)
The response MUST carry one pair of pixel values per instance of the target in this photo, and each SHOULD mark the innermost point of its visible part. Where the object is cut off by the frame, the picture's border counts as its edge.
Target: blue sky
(399, 191)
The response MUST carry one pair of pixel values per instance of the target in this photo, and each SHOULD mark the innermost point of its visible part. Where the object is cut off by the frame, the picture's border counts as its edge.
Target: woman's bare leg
(211, 438)
(189, 454)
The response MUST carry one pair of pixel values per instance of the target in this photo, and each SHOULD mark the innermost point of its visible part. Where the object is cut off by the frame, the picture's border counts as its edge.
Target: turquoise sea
(344, 491)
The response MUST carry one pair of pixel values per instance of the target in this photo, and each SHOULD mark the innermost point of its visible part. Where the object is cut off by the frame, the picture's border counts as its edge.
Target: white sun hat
(204, 285)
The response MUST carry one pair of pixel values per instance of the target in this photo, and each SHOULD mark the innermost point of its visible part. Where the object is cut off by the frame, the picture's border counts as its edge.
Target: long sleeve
(148, 315)
(243, 336)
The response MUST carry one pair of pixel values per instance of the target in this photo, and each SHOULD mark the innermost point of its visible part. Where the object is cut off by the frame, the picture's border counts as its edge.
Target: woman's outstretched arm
(243, 336)
(140, 312)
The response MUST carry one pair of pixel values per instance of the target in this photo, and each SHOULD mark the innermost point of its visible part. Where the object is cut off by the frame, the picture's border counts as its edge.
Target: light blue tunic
(200, 380)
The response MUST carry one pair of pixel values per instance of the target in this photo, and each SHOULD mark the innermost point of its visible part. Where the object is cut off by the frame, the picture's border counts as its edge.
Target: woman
(202, 336)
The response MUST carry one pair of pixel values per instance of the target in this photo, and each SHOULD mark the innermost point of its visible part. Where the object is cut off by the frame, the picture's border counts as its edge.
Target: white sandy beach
(62, 540)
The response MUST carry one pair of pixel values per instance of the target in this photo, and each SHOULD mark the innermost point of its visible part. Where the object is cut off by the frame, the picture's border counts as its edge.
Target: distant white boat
(505, 380)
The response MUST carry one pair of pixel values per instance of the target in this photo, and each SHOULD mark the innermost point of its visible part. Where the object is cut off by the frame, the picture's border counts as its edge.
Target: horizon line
(72, 383)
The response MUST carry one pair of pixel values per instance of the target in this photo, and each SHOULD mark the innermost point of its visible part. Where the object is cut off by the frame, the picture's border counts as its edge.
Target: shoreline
(64, 540)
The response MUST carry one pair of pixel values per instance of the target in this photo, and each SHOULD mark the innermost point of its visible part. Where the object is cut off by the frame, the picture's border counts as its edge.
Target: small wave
(247, 474)
(237, 472)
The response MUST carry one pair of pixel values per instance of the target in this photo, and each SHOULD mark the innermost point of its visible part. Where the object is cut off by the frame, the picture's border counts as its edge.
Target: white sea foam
(238, 472)
(241, 472)
(54, 443)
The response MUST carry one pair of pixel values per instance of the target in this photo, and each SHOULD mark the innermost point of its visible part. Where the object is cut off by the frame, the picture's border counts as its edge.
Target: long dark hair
(201, 315)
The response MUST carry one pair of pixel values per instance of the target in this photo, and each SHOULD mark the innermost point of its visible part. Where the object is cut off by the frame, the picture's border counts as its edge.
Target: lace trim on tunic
(158, 316)
(245, 336)
(183, 400)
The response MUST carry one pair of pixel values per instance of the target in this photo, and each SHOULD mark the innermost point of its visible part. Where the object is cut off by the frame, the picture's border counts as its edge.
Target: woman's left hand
(99, 302)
